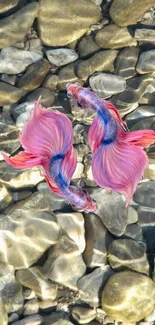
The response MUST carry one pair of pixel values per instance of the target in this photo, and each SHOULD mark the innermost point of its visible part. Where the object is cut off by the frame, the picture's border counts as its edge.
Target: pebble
(21, 195)
(106, 84)
(8, 138)
(83, 315)
(144, 194)
(62, 56)
(52, 33)
(14, 60)
(57, 319)
(129, 12)
(126, 62)
(101, 61)
(47, 305)
(30, 320)
(34, 75)
(135, 296)
(148, 97)
(90, 285)
(47, 96)
(7, 5)
(98, 240)
(133, 231)
(114, 37)
(31, 307)
(51, 82)
(73, 225)
(9, 94)
(145, 35)
(67, 74)
(5, 197)
(140, 113)
(87, 46)
(13, 317)
(146, 62)
(10, 32)
(128, 254)
(34, 279)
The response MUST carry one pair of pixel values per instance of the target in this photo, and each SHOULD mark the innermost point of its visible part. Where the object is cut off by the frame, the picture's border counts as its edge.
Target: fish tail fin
(23, 160)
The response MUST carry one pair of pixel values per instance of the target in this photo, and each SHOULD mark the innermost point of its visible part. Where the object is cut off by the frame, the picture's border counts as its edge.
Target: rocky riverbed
(60, 266)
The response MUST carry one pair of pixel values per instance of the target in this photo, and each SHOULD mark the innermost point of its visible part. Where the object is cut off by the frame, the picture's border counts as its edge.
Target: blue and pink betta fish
(118, 158)
(47, 139)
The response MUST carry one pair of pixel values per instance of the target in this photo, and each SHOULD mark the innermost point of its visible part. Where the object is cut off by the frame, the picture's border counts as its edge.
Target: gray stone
(83, 315)
(145, 194)
(9, 94)
(6, 5)
(31, 307)
(30, 320)
(145, 35)
(51, 82)
(47, 96)
(5, 197)
(67, 74)
(13, 317)
(133, 231)
(8, 138)
(146, 62)
(61, 56)
(141, 113)
(126, 62)
(57, 318)
(21, 195)
(106, 84)
(87, 46)
(114, 37)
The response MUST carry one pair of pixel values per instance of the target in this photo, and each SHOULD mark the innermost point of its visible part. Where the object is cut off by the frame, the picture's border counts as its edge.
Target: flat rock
(133, 231)
(30, 320)
(34, 75)
(31, 307)
(125, 13)
(61, 56)
(141, 113)
(146, 62)
(51, 82)
(6, 5)
(83, 315)
(126, 62)
(67, 74)
(91, 284)
(47, 96)
(106, 84)
(144, 194)
(98, 239)
(34, 279)
(128, 254)
(3, 313)
(9, 94)
(114, 37)
(57, 318)
(51, 33)
(10, 32)
(145, 35)
(14, 60)
(5, 197)
(101, 61)
(87, 46)
(64, 263)
(135, 296)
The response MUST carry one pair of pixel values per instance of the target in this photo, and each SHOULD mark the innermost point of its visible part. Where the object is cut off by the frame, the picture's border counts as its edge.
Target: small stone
(144, 194)
(5, 197)
(36, 281)
(31, 307)
(3, 313)
(57, 318)
(133, 231)
(90, 285)
(21, 195)
(67, 74)
(66, 254)
(148, 97)
(87, 46)
(61, 56)
(47, 97)
(30, 320)
(22, 112)
(79, 130)
(14, 61)
(7, 5)
(10, 79)
(126, 62)
(146, 62)
(145, 35)
(76, 17)
(47, 305)
(34, 75)
(125, 13)
(141, 112)
(8, 138)
(135, 294)
(13, 317)
(132, 215)
(83, 315)
(51, 82)
(101, 61)
(73, 225)
(98, 240)
(128, 254)
(9, 94)
(106, 84)
(10, 32)
(114, 37)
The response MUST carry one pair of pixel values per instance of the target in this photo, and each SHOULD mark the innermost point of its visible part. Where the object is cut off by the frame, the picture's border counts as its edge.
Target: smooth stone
(146, 62)
(5, 197)
(89, 285)
(8, 138)
(141, 113)
(51, 82)
(145, 194)
(10, 32)
(21, 195)
(3, 313)
(31, 307)
(145, 35)
(67, 74)
(66, 253)
(79, 130)
(132, 215)
(149, 172)
(21, 113)
(114, 37)
(73, 225)
(30, 320)
(6, 5)
(133, 231)
(33, 279)
(14, 60)
(98, 240)
(126, 62)
(135, 88)
(128, 254)
(9, 94)
(19, 179)
(83, 315)
(147, 223)
(57, 318)
(111, 209)
(135, 294)
(13, 317)
(76, 17)
(125, 13)
(106, 84)
(62, 56)
(87, 46)
(144, 124)
(148, 97)
(47, 305)
(10, 79)
(47, 96)
(34, 75)
(101, 61)
(81, 150)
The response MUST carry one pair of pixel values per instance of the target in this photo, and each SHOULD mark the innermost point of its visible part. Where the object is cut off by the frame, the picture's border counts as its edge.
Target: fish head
(73, 90)
(90, 204)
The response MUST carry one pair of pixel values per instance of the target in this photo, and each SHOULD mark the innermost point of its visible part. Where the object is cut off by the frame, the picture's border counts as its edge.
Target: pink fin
(115, 113)
(23, 160)
(69, 164)
(142, 138)
(96, 133)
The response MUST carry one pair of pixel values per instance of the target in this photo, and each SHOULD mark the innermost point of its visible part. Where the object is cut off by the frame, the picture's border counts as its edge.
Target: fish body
(118, 160)
(47, 140)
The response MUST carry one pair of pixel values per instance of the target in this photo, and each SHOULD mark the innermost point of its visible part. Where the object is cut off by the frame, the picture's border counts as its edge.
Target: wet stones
(9, 94)
(128, 254)
(61, 56)
(144, 194)
(8, 138)
(114, 37)
(3, 313)
(125, 13)
(126, 62)
(146, 62)
(51, 33)
(106, 84)
(10, 32)
(5, 197)
(7, 5)
(135, 296)
(87, 46)
(47, 96)
(145, 35)
(83, 315)
(67, 74)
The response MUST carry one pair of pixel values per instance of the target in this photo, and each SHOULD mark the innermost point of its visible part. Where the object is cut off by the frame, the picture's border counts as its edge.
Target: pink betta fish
(118, 160)
(47, 140)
